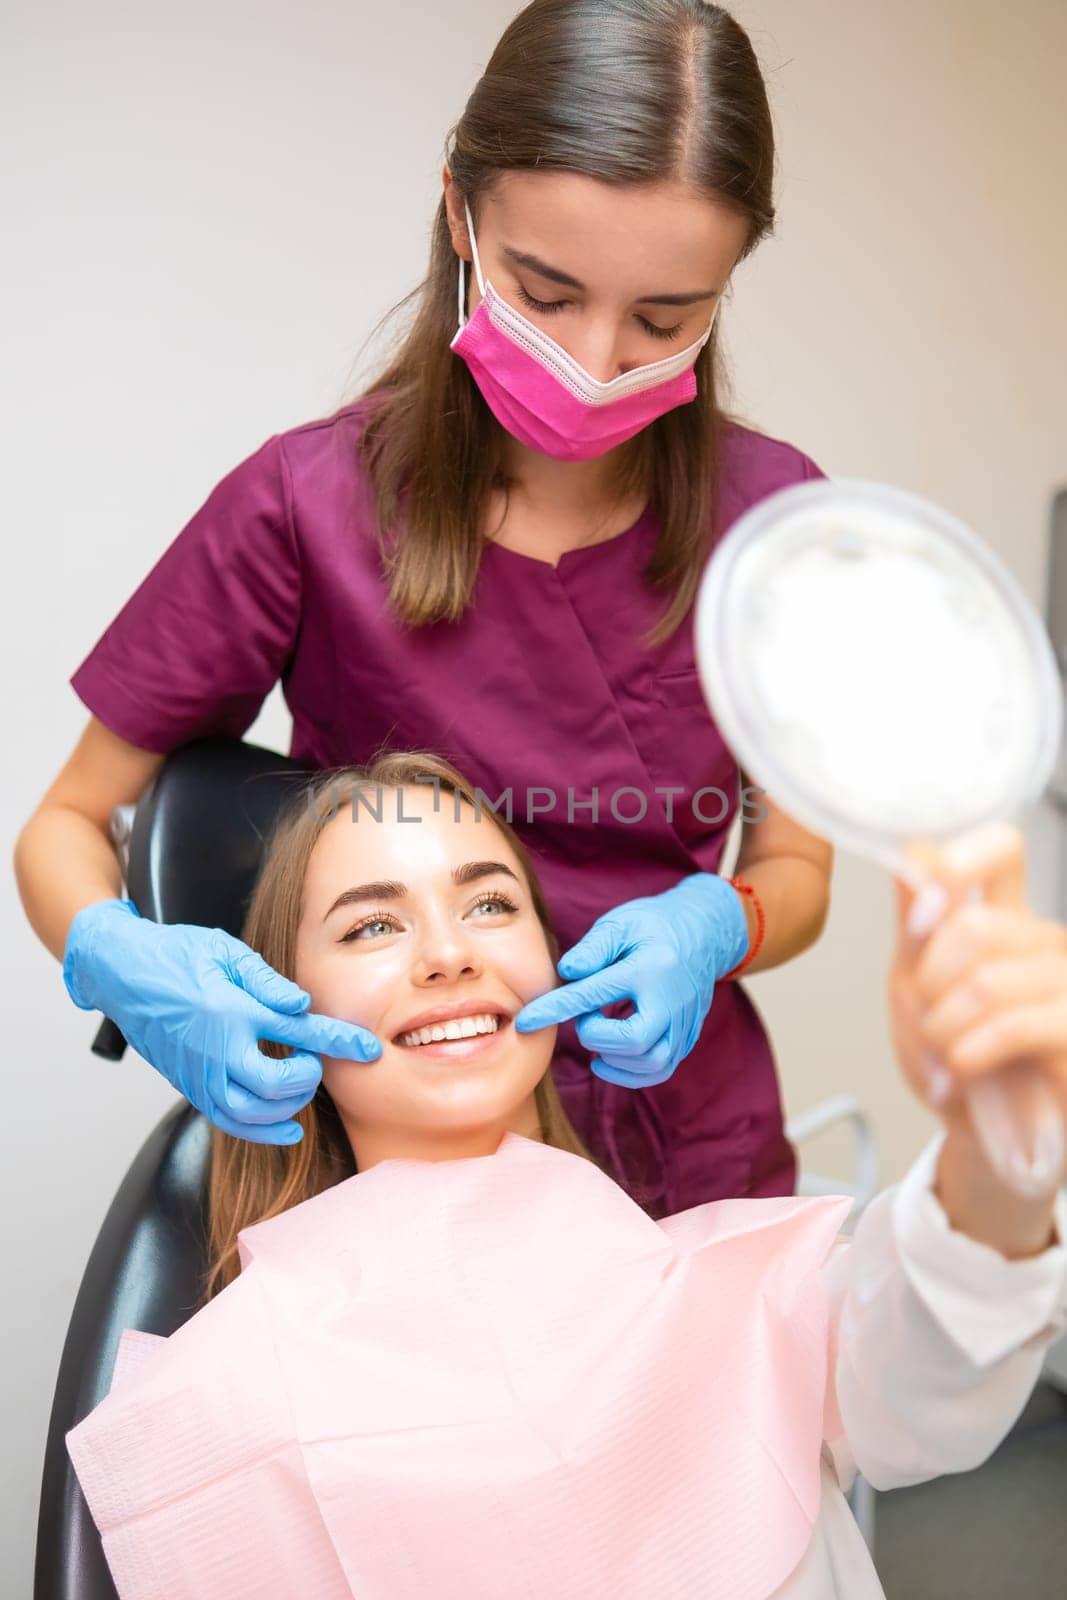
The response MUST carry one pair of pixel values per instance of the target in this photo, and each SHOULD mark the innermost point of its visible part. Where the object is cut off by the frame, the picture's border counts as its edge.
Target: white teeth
(457, 1028)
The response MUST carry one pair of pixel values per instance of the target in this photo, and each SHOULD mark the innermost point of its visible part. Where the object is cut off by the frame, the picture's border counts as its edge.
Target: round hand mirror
(877, 670)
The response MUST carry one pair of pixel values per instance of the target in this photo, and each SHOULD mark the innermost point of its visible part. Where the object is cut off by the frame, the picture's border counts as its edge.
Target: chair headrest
(200, 831)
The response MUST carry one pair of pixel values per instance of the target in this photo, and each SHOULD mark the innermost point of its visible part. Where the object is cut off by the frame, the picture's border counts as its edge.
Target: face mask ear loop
(714, 313)
(460, 277)
(474, 248)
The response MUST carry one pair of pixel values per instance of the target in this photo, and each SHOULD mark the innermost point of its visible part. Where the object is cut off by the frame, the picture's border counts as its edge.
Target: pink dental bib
(481, 1378)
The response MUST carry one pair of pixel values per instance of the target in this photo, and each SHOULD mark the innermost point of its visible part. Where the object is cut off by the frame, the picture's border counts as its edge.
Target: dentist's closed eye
(386, 919)
(549, 306)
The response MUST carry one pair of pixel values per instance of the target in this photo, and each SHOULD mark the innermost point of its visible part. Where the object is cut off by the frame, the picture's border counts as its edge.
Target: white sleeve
(936, 1340)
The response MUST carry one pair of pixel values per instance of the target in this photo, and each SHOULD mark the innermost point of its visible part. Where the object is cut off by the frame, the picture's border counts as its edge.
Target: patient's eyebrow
(522, 258)
(389, 889)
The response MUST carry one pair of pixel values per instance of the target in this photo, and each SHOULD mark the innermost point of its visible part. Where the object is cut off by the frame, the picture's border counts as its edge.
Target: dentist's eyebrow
(521, 258)
(389, 889)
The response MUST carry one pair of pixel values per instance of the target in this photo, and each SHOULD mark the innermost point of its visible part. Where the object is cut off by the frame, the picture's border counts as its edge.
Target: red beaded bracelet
(746, 888)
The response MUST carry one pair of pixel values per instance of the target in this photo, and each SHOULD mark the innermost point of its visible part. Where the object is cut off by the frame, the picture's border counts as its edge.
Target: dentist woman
(492, 554)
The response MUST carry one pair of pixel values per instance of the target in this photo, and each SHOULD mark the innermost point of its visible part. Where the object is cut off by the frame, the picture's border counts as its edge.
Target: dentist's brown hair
(251, 1182)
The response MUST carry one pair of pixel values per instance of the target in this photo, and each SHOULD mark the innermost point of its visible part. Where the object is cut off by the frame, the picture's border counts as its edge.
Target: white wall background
(208, 207)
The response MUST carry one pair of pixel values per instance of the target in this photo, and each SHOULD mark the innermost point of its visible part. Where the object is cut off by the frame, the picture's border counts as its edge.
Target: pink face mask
(542, 396)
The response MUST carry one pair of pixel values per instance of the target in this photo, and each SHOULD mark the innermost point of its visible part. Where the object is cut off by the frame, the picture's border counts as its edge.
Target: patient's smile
(458, 1039)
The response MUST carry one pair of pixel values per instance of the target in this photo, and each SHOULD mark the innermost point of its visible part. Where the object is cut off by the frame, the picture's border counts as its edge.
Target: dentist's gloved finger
(627, 1079)
(624, 1036)
(255, 1133)
(240, 1105)
(662, 1057)
(293, 1077)
(587, 994)
(329, 1036)
(600, 947)
(251, 973)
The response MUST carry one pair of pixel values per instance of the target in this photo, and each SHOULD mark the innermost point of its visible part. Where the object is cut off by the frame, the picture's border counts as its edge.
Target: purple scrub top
(543, 687)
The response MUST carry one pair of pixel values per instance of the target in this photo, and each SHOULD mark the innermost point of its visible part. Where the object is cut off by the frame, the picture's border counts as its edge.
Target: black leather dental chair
(195, 839)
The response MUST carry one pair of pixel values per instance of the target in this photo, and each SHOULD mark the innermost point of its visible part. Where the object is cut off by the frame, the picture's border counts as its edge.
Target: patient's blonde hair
(251, 1182)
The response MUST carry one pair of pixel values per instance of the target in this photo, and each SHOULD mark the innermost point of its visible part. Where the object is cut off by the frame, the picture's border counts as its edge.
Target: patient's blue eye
(382, 919)
(499, 900)
(377, 919)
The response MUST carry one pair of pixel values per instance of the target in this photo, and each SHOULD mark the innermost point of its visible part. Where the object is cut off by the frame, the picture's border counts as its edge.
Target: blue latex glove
(193, 1002)
(665, 953)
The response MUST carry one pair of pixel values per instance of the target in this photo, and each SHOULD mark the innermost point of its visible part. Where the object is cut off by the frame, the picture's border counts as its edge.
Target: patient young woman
(440, 1379)
(397, 900)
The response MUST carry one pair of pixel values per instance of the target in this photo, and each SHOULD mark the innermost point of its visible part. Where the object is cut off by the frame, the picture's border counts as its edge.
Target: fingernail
(938, 1081)
(972, 850)
(927, 909)
(968, 1049)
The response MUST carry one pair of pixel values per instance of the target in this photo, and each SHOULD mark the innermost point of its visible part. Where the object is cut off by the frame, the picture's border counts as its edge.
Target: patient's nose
(445, 951)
